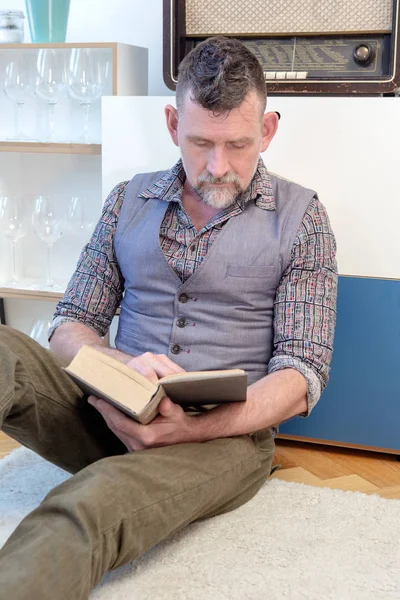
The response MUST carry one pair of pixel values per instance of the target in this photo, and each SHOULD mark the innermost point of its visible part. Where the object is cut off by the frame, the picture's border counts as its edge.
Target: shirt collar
(170, 187)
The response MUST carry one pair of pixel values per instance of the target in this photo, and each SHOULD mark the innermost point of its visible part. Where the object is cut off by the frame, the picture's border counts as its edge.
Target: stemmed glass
(88, 74)
(80, 221)
(13, 225)
(19, 86)
(39, 330)
(49, 222)
(51, 83)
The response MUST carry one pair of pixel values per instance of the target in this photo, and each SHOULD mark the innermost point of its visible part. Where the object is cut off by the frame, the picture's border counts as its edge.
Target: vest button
(183, 298)
(181, 322)
(176, 349)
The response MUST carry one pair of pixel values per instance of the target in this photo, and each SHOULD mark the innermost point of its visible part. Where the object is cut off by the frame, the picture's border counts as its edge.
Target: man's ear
(171, 115)
(269, 127)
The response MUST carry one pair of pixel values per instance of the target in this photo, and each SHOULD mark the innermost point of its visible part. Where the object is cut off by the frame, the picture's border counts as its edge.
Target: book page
(112, 382)
(92, 354)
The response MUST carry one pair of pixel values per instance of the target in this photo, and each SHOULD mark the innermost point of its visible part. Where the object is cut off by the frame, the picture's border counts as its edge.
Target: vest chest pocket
(256, 278)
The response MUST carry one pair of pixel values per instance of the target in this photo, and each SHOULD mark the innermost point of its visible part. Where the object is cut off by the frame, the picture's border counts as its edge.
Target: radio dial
(363, 55)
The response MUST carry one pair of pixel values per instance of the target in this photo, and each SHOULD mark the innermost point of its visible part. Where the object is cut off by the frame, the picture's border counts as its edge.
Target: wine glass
(80, 220)
(88, 74)
(51, 82)
(19, 86)
(49, 222)
(38, 331)
(13, 225)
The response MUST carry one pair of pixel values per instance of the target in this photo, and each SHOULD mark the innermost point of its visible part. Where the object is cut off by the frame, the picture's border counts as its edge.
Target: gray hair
(219, 73)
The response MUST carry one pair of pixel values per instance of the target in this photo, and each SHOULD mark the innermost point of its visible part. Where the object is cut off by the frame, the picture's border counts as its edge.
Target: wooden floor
(322, 466)
(6, 445)
(339, 468)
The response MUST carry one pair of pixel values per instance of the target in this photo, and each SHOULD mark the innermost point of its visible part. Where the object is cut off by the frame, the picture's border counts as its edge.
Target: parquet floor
(322, 466)
(339, 468)
(6, 445)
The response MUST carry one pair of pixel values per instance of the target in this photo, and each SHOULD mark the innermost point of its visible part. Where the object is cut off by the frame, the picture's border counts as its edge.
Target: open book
(101, 375)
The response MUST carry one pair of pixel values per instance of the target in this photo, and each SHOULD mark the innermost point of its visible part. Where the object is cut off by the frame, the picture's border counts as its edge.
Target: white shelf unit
(50, 148)
(29, 169)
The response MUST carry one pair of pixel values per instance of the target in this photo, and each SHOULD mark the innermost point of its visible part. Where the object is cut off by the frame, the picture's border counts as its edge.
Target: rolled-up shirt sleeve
(96, 287)
(305, 304)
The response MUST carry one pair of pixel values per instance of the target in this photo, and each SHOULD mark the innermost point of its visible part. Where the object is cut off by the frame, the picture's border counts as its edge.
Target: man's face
(219, 154)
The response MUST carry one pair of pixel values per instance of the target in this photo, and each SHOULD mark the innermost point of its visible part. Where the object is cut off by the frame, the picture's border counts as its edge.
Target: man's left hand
(171, 426)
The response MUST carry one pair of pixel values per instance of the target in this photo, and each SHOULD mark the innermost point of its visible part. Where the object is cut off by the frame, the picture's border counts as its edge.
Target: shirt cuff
(314, 387)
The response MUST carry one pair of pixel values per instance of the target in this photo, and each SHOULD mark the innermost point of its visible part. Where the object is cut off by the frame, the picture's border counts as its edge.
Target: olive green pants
(117, 505)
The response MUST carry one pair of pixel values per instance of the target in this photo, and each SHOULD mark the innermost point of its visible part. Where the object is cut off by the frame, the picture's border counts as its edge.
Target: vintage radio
(304, 46)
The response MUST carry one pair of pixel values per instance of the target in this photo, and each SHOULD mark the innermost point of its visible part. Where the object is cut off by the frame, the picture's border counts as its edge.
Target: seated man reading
(216, 264)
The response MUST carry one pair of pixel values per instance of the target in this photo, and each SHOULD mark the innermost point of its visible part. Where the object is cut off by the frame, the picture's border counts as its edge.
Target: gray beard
(217, 198)
(220, 198)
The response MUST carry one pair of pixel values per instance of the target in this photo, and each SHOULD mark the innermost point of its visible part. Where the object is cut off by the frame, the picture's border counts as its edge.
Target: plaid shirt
(305, 302)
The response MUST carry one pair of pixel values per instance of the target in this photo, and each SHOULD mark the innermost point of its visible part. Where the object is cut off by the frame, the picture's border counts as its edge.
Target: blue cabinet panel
(361, 404)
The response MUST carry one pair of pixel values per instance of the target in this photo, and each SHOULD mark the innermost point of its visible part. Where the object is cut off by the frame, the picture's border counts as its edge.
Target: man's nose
(217, 163)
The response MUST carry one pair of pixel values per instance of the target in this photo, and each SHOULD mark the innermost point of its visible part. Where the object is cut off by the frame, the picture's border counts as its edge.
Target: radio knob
(363, 55)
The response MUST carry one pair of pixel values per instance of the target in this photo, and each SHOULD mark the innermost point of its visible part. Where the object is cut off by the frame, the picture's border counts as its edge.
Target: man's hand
(154, 366)
(171, 426)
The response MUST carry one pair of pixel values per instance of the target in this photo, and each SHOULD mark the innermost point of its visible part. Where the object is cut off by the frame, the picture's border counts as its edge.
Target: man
(216, 264)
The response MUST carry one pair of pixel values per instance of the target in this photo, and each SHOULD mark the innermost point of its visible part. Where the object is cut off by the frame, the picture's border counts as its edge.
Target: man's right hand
(154, 366)
(71, 335)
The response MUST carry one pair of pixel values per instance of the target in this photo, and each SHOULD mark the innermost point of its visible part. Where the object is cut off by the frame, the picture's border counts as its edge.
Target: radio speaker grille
(274, 17)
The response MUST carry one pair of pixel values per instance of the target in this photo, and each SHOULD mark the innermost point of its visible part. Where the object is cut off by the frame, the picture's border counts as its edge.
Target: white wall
(128, 21)
(345, 148)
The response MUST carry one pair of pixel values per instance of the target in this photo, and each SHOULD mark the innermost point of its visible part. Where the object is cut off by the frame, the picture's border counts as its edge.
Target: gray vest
(222, 316)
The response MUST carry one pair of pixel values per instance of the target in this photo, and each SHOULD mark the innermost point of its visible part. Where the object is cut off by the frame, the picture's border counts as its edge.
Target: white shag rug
(290, 542)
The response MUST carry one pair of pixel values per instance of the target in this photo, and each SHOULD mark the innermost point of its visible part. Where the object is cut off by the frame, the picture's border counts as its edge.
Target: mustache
(206, 177)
